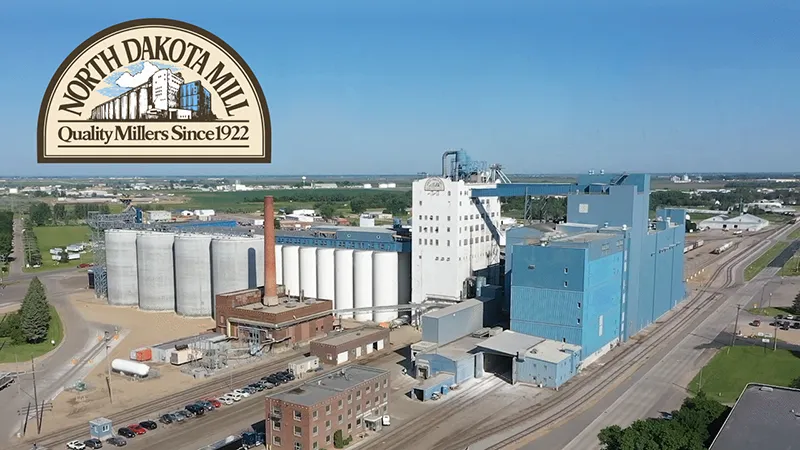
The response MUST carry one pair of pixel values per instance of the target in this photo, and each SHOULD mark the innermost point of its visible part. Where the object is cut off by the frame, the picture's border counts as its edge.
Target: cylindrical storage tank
(193, 296)
(279, 264)
(308, 271)
(156, 264)
(362, 283)
(343, 286)
(326, 289)
(121, 272)
(259, 247)
(291, 269)
(404, 278)
(233, 264)
(384, 285)
(130, 367)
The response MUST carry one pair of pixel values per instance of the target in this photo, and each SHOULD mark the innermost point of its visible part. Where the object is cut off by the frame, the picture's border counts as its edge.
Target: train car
(723, 248)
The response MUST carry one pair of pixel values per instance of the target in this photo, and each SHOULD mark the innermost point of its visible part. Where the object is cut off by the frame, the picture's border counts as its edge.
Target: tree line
(693, 427)
(6, 234)
(31, 323)
(328, 201)
(43, 214)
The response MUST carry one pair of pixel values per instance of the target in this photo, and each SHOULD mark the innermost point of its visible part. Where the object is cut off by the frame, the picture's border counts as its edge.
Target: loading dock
(439, 384)
(349, 345)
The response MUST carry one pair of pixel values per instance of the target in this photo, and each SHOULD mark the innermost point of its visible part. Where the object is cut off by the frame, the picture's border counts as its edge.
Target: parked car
(167, 418)
(125, 432)
(257, 386)
(148, 425)
(214, 402)
(226, 399)
(182, 415)
(76, 445)
(251, 439)
(195, 409)
(138, 429)
(242, 392)
(205, 405)
(268, 385)
(236, 395)
(93, 443)
(756, 323)
(116, 441)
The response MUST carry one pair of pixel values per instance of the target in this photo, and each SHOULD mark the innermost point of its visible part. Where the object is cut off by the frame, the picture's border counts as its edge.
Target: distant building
(771, 206)
(194, 97)
(745, 222)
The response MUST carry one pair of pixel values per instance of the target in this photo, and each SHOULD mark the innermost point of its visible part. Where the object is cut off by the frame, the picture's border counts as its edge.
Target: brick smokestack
(270, 279)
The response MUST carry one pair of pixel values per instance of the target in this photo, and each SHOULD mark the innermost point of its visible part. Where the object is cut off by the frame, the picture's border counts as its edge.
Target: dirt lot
(140, 329)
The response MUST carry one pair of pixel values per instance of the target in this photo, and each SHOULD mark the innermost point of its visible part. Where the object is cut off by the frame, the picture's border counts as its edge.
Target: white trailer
(303, 366)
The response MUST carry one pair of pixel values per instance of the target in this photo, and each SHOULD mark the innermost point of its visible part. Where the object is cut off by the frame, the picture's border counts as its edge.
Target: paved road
(660, 386)
(18, 252)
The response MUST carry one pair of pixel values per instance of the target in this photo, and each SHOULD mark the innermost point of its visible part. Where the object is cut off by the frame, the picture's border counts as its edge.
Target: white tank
(233, 264)
(130, 367)
(404, 278)
(121, 272)
(193, 295)
(155, 261)
(291, 269)
(279, 264)
(259, 247)
(343, 286)
(384, 285)
(308, 271)
(362, 283)
(325, 273)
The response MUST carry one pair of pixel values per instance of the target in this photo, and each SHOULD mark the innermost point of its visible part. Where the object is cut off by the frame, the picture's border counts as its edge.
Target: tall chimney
(270, 280)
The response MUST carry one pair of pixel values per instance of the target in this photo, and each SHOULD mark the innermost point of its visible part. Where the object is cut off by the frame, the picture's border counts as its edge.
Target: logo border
(266, 158)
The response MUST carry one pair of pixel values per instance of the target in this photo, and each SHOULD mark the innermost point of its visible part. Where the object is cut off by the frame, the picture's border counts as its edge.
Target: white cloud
(126, 80)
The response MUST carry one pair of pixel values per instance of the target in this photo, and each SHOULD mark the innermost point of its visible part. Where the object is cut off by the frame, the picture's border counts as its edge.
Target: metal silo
(156, 266)
(362, 283)
(325, 273)
(291, 269)
(232, 264)
(308, 271)
(384, 284)
(259, 248)
(121, 273)
(279, 264)
(404, 278)
(193, 296)
(343, 286)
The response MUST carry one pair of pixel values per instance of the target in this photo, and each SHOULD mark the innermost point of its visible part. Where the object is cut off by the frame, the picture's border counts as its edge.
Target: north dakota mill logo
(154, 90)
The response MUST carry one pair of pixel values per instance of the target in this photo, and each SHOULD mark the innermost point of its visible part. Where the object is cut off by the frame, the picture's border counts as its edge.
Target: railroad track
(562, 407)
(573, 398)
(170, 402)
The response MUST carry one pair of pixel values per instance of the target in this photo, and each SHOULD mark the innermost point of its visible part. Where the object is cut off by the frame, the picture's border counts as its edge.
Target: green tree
(63, 257)
(338, 439)
(59, 213)
(11, 328)
(358, 205)
(327, 211)
(40, 214)
(35, 313)
(795, 384)
(796, 304)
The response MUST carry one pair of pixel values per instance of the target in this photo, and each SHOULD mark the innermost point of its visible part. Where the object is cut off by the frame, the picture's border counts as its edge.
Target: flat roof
(189, 340)
(321, 388)
(509, 343)
(435, 380)
(279, 308)
(763, 417)
(460, 306)
(346, 336)
(457, 350)
(585, 237)
(552, 351)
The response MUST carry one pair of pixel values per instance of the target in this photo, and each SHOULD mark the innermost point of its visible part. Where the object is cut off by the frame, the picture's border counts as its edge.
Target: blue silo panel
(570, 335)
(557, 307)
(549, 267)
(602, 303)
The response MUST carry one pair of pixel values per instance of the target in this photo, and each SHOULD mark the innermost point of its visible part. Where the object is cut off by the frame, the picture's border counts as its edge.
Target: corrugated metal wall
(603, 298)
(448, 328)
(463, 369)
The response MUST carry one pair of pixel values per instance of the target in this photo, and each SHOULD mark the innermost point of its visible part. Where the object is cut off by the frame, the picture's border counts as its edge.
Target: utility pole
(108, 368)
(775, 336)
(735, 327)
(36, 398)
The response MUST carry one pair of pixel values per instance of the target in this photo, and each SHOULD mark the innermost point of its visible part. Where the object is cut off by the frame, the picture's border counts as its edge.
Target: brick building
(306, 417)
(243, 315)
(350, 345)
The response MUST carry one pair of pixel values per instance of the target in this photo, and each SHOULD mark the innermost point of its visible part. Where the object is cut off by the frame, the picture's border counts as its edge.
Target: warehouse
(243, 315)
(445, 325)
(462, 359)
(351, 401)
(350, 345)
(744, 222)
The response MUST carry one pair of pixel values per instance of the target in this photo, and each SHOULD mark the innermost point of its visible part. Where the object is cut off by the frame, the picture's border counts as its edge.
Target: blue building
(355, 238)
(194, 97)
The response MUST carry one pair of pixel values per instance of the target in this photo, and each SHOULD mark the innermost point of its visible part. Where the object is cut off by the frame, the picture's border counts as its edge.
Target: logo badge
(434, 184)
(154, 91)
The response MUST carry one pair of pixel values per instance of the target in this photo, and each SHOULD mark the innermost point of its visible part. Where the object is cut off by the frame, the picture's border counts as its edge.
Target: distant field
(726, 375)
(667, 184)
(51, 237)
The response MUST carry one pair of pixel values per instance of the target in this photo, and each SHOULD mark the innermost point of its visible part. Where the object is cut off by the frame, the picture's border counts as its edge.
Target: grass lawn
(758, 265)
(60, 236)
(794, 235)
(791, 268)
(726, 375)
(25, 352)
(772, 311)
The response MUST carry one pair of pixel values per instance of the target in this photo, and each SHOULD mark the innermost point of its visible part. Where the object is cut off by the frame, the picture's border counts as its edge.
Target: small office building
(349, 345)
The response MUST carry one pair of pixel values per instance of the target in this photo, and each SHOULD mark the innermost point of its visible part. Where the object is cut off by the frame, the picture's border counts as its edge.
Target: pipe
(270, 279)
(444, 161)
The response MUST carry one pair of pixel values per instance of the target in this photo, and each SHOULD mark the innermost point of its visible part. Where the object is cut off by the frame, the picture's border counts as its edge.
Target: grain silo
(362, 283)
(384, 285)
(343, 286)
(291, 269)
(233, 263)
(155, 263)
(326, 274)
(193, 295)
(308, 271)
(121, 272)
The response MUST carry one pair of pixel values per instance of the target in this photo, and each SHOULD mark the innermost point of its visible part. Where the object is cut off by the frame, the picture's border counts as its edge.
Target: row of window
(276, 439)
(463, 229)
(472, 240)
(460, 218)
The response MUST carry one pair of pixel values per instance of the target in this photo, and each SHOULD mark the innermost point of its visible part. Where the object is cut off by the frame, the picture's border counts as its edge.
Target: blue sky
(540, 87)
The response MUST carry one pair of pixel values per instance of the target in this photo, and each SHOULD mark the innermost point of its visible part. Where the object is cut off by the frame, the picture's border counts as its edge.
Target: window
(437, 218)
(349, 427)
(349, 413)
(385, 383)
(376, 400)
(358, 395)
(341, 419)
(384, 396)
(600, 324)
(358, 423)
(566, 270)
(276, 425)
(349, 398)
(532, 267)
(579, 322)
(448, 218)
(437, 242)
(298, 446)
(298, 431)
(448, 242)
(315, 445)
(358, 409)
(377, 386)
(327, 424)
(369, 388)
(314, 415)
(328, 439)
(315, 430)
(298, 415)
(341, 404)
(276, 441)
(327, 410)
(566, 284)
(579, 305)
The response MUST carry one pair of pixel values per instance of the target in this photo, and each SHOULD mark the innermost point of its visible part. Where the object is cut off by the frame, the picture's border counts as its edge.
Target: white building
(453, 237)
(746, 222)
(772, 206)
